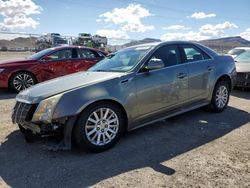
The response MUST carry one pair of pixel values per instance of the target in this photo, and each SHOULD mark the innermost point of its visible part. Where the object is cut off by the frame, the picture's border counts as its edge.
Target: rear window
(193, 53)
(87, 54)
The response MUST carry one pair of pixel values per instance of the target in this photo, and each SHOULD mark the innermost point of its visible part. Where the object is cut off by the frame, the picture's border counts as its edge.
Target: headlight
(46, 109)
(1, 70)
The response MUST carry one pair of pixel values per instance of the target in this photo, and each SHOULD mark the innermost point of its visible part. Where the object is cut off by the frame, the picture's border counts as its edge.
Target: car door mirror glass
(154, 64)
(46, 58)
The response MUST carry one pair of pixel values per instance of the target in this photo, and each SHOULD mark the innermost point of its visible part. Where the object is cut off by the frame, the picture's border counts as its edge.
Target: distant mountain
(221, 45)
(20, 42)
(143, 41)
(225, 44)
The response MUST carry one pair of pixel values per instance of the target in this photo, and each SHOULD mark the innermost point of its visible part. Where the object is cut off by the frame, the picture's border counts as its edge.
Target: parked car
(237, 51)
(131, 88)
(243, 69)
(47, 64)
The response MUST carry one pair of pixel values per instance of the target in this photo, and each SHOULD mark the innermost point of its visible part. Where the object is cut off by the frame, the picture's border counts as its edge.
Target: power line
(181, 11)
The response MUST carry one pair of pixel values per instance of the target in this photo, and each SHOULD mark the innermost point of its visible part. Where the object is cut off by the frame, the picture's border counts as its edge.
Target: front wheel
(220, 97)
(99, 127)
(21, 81)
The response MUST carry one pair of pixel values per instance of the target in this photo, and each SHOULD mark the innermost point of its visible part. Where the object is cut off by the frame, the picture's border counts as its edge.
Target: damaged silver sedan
(131, 88)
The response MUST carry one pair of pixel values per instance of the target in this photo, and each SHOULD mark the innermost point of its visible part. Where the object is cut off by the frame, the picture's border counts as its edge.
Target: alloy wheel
(221, 96)
(102, 126)
(23, 81)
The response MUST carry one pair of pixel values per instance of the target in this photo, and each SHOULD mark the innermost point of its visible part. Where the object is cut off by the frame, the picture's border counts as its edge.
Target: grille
(243, 76)
(23, 112)
(243, 79)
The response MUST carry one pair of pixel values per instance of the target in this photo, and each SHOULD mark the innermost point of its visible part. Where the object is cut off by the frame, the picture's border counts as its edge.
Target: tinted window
(192, 53)
(87, 54)
(243, 57)
(62, 54)
(168, 54)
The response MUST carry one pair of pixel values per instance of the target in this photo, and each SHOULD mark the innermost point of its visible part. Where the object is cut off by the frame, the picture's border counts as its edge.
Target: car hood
(9, 63)
(242, 67)
(63, 84)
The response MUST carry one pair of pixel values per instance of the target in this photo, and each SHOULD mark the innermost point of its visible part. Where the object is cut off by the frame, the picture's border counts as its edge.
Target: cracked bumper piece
(243, 80)
(23, 113)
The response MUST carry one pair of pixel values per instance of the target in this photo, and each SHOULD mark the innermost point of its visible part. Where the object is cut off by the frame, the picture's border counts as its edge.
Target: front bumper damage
(243, 79)
(22, 115)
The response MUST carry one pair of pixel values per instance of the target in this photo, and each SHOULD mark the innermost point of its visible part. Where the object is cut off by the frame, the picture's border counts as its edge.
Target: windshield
(243, 57)
(40, 54)
(235, 52)
(121, 61)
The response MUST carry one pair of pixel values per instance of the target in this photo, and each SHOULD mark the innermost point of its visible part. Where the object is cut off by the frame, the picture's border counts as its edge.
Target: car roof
(166, 42)
(73, 46)
(243, 48)
(158, 44)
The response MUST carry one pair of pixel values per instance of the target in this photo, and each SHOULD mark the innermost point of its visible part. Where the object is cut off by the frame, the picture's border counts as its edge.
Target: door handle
(181, 75)
(209, 68)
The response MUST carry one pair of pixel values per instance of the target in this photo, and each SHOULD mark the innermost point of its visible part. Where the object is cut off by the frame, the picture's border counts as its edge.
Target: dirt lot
(13, 55)
(196, 149)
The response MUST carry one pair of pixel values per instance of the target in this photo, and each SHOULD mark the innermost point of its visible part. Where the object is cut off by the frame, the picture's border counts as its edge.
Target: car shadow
(6, 94)
(241, 93)
(32, 165)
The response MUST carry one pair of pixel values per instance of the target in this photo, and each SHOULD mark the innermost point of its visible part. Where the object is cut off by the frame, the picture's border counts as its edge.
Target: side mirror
(46, 58)
(154, 64)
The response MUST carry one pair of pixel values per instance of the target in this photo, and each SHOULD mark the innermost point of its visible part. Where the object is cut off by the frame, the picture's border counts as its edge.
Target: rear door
(200, 69)
(86, 58)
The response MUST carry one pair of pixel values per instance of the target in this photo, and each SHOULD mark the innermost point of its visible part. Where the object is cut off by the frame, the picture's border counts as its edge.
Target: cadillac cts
(129, 89)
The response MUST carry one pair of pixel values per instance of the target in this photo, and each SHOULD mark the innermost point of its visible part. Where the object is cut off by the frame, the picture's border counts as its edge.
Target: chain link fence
(19, 45)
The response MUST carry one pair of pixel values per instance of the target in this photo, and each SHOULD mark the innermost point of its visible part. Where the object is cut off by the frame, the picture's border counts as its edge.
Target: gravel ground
(14, 55)
(196, 149)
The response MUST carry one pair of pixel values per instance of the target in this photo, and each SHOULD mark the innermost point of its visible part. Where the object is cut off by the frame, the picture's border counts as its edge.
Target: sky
(125, 19)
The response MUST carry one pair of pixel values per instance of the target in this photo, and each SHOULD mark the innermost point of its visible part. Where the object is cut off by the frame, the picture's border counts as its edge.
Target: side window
(192, 53)
(168, 54)
(62, 54)
(87, 54)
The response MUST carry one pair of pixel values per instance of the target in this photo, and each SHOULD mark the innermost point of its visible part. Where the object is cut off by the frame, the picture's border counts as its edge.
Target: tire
(28, 135)
(22, 80)
(220, 97)
(104, 130)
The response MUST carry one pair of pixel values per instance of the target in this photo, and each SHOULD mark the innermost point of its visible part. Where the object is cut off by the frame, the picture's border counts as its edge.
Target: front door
(162, 89)
(54, 65)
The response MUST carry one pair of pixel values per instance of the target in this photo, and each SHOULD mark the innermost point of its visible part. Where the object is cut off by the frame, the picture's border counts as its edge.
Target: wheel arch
(226, 78)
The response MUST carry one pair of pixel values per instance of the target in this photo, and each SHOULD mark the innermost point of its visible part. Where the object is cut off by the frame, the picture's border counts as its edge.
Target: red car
(47, 64)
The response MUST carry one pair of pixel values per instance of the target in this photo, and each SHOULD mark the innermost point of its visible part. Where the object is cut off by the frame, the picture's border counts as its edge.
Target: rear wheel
(220, 96)
(21, 81)
(99, 127)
